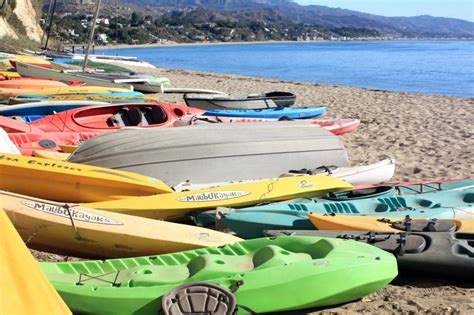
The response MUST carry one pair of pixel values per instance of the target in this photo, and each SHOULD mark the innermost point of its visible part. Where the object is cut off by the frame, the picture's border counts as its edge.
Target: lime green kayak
(263, 275)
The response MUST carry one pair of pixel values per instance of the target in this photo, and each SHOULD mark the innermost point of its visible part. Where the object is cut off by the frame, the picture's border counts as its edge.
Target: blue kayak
(251, 222)
(275, 113)
(45, 108)
(207, 218)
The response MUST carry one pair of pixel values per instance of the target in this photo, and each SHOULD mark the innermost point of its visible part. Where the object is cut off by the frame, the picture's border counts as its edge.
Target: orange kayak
(26, 83)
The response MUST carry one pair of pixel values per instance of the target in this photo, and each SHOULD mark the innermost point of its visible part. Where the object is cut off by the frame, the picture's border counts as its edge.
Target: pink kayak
(336, 126)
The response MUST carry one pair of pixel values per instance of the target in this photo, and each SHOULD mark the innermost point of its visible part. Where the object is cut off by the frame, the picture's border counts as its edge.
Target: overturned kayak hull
(254, 150)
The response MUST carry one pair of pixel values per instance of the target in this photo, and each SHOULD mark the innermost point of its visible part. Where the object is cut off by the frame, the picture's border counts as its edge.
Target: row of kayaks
(143, 198)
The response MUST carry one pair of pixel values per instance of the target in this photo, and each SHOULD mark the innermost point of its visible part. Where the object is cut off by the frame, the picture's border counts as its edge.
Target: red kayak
(112, 117)
(50, 141)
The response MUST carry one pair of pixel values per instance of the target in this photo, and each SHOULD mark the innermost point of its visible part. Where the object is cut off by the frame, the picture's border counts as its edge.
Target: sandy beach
(429, 136)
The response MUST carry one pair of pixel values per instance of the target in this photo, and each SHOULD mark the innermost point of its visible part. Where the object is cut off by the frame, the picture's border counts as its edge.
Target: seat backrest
(117, 120)
(155, 115)
(132, 117)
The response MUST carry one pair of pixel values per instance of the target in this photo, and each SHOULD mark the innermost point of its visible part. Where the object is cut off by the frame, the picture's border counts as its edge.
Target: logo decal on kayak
(214, 196)
(72, 213)
(306, 184)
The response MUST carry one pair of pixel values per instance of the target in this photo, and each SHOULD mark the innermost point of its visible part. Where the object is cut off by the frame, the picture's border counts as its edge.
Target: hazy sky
(462, 9)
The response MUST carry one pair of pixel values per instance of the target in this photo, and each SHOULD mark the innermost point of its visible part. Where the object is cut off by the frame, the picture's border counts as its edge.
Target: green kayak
(263, 275)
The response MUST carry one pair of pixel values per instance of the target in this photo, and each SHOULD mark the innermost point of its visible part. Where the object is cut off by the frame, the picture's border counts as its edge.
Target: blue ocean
(432, 67)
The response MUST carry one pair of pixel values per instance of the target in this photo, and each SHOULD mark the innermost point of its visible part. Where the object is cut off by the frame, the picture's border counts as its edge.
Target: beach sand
(429, 136)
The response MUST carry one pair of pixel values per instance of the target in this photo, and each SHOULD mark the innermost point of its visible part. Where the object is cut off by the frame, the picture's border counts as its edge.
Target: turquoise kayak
(250, 222)
(260, 276)
(275, 113)
(207, 218)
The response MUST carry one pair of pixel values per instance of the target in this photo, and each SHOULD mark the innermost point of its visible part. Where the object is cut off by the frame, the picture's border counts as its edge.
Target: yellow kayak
(25, 289)
(51, 155)
(65, 90)
(378, 224)
(32, 60)
(83, 232)
(71, 182)
(102, 98)
(9, 74)
(176, 205)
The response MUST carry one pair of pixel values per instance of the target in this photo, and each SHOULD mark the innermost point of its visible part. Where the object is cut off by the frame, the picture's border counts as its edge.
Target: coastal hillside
(20, 18)
(417, 26)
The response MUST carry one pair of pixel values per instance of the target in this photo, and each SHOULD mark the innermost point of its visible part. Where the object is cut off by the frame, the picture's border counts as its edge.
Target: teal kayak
(262, 275)
(250, 222)
(207, 218)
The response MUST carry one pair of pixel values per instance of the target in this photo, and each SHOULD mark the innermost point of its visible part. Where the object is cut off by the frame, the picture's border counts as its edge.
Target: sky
(461, 9)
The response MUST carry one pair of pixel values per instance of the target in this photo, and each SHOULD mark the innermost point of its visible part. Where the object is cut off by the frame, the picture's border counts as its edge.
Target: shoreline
(207, 43)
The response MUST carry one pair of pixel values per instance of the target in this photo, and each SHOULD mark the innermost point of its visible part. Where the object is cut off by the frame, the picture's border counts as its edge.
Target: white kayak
(6, 145)
(371, 174)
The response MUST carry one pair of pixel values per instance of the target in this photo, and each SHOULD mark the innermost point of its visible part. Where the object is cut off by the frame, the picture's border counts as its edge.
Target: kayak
(207, 218)
(277, 113)
(11, 60)
(31, 84)
(462, 222)
(51, 155)
(435, 253)
(44, 108)
(64, 90)
(116, 97)
(237, 101)
(248, 273)
(29, 291)
(336, 126)
(177, 205)
(6, 145)
(70, 182)
(68, 229)
(254, 150)
(356, 175)
(250, 222)
(370, 174)
(9, 74)
(111, 117)
(27, 143)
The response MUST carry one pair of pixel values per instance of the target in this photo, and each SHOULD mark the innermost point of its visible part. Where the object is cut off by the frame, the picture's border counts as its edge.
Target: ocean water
(433, 67)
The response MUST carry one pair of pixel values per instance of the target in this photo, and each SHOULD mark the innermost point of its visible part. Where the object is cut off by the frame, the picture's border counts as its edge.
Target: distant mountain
(418, 26)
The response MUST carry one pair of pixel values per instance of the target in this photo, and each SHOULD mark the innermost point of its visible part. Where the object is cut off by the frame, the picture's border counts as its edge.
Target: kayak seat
(132, 117)
(116, 120)
(412, 244)
(272, 256)
(155, 115)
(199, 298)
(209, 266)
(468, 198)
(426, 225)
